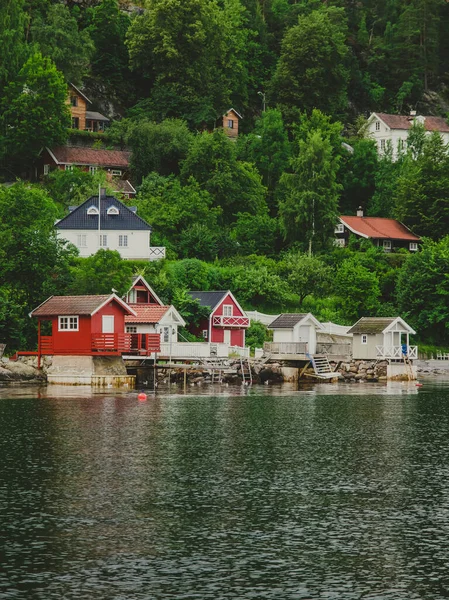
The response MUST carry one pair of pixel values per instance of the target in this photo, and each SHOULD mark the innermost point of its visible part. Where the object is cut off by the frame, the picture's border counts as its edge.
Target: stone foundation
(98, 371)
(371, 370)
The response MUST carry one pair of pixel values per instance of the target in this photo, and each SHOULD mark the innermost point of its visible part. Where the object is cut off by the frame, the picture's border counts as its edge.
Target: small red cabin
(86, 325)
(227, 321)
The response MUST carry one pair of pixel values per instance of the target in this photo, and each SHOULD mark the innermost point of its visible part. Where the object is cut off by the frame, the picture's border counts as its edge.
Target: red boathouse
(227, 320)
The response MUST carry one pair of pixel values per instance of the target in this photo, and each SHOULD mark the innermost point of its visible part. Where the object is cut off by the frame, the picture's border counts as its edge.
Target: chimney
(103, 192)
(360, 211)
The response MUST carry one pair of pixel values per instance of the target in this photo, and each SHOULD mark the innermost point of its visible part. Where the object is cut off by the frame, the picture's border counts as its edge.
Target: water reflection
(271, 492)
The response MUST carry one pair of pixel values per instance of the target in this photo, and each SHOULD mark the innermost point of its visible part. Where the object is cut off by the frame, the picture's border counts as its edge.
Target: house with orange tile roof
(388, 234)
(393, 130)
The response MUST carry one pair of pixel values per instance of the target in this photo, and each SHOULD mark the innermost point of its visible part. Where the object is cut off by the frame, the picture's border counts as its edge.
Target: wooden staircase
(245, 369)
(321, 366)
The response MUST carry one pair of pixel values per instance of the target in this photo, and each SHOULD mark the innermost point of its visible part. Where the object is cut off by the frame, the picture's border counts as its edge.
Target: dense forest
(256, 215)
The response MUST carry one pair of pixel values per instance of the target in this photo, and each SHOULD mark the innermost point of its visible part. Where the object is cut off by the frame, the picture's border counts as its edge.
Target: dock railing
(397, 352)
(285, 348)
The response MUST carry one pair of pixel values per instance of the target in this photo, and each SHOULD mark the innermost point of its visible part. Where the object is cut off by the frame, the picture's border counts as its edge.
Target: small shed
(296, 328)
(231, 123)
(382, 338)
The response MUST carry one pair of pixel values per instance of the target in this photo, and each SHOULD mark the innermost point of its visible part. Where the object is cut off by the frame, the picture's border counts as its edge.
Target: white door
(108, 323)
(227, 336)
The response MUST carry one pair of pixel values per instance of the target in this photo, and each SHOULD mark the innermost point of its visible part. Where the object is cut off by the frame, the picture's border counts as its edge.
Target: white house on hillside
(385, 128)
(105, 222)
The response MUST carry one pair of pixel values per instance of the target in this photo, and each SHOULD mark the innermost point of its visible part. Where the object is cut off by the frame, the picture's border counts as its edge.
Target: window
(46, 169)
(165, 334)
(123, 241)
(227, 310)
(386, 244)
(131, 329)
(113, 210)
(116, 173)
(93, 170)
(339, 242)
(74, 100)
(340, 228)
(103, 240)
(204, 332)
(364, 338)
(67, 323)
(75, 123)
(413, 246)
(382, 144)
(92, 210)
(81, 240)
(68, 167)
(231, 123)
(377, 125)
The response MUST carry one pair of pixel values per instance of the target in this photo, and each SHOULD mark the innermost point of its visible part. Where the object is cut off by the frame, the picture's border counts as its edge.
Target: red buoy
(141, 396)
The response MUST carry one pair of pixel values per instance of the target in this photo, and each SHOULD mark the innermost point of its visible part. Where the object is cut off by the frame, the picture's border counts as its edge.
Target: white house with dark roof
(382, 338)
(105, 222)
(295, 333)
(394, 129)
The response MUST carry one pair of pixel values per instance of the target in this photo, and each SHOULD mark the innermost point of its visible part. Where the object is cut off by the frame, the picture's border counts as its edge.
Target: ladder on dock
(408, 367)
(245, 369)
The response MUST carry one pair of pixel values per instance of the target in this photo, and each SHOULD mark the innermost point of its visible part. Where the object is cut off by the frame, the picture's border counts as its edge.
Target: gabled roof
(375, 325)
(123, 186)
(290, 320)
(78, 155)
(141, 279)
(78, 91)
(126, 220)
(76, 305)
(406, 122)
(146, 313)
(152, 313)
(234, 111)
(214, 299)
(378, 228)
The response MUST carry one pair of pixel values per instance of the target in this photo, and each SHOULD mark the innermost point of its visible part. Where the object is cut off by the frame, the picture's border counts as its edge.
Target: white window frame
(93, 170)
(123, 241)
(364, 338)
(382, 144)
(68, 323)
(113, 210)
(205, 334)
(413, 246)
(340, 242)
(228, 310)
(230, 123)
(103, 240)
(116, 173)
(68, 167)
(81, 240)
(92, 210)
(386, 244)
(165, 334)
(46, 169)
(377, 125)
(340, 228)
(131, 329)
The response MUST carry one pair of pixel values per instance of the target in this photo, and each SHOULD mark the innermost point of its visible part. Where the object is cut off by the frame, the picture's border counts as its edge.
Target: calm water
(335, 492)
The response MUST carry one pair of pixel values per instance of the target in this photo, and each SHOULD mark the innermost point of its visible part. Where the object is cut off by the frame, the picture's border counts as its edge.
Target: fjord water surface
(336, 492)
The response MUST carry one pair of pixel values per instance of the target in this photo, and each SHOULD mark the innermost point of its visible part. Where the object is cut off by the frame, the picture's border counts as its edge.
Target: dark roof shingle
(126, 220)
(371, 324)
(69, 305)
(210, 299)
(286, 320)
(78, 155)
(406, 122)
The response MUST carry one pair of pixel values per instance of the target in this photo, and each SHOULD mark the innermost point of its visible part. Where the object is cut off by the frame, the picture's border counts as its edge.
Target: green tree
(13, 50)
(59, 39)
(198, 241)
(99, 273)
(358, 174)
(235, 186)
(308, 210)
(171, 208)
(158, 147)
(423, 291)
(256, 334)
(269, 149)
(70, 188)
(312, 71)
(256, 234)
(358, 290)
(306, 275)
(33, 110)
(189, 54)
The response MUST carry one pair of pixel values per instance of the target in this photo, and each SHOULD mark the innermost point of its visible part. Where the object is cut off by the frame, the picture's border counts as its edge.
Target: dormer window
(377, 125)
(113, 210)
(92, 210)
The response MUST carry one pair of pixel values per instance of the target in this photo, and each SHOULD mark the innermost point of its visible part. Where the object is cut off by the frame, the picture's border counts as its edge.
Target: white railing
(199, 350)
(156, 252)
(396, 352)
(285, 347)
(224, 321)
(239, 351)
(333, 348)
